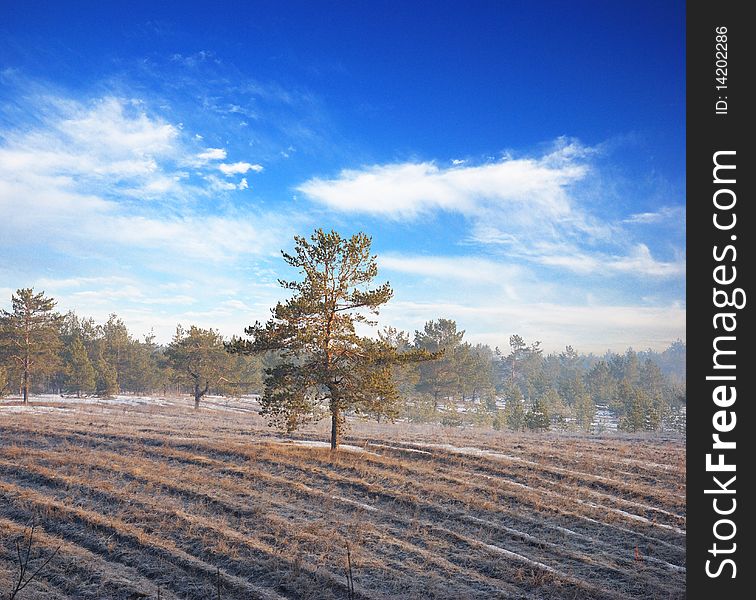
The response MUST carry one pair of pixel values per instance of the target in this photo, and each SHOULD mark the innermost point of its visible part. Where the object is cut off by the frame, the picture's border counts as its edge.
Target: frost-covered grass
(145, 492)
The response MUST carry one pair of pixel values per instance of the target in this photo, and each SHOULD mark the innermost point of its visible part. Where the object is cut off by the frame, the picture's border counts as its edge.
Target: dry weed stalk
(349, 574)
(24, 558)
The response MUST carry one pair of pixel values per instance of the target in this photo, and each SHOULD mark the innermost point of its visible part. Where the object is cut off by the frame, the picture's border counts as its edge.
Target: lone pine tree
(30, 337)
(324, 363)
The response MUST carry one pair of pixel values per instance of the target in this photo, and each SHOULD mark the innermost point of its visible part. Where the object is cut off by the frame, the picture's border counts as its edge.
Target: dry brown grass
(146, 497)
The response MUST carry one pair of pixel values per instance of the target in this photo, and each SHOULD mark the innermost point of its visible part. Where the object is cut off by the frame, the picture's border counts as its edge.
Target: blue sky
(519, 165)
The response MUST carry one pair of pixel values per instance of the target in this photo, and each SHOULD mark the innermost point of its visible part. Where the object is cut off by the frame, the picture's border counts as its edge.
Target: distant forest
(516, 387)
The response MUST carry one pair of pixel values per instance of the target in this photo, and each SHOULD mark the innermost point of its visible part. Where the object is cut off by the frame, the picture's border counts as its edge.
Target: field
(146, 499)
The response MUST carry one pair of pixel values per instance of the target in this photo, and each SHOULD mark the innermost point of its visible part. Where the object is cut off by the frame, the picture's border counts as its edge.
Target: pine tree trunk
(334, 426)
(199, 393)
(26, 386)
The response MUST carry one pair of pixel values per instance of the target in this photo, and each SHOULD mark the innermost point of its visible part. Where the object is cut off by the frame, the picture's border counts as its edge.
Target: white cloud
(77, 282)
(212, 238)
(239, 168)
(110, 145)
(212, 154)
(218, 184)
(638, 262)
(665, 213)
(70, 182)
(115, 127)
(407, 190)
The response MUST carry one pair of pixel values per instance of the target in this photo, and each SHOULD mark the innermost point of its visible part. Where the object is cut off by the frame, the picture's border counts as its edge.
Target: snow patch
(355, 503)
(414, 450)
(34, 409)
(316, 444)
(116, 400)
(664, 563)
(525, 559)
(632, 516)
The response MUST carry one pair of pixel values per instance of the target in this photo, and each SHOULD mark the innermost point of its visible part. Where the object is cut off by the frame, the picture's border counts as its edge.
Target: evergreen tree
(106, 375)
(116, 342)
(4, 381)
(442, 377)
(585, 411)
(600, 383)
(81, 375)
(518, 350)
(622, 398)
(569, 384)
(523, 367)
(672, 362)
(537, 418)
(198, 357)
(641, 413)
(140, 368)
(555, 406)
(324, 363)
(249, 373)
(651, 378)
(514, 410)
(477, 376)
(498, 421)
(29, 335)
(406, 375)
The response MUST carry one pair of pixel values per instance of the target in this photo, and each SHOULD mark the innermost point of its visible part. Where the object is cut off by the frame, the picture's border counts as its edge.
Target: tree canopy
(30, 335)
(198, 357)
(326, 367)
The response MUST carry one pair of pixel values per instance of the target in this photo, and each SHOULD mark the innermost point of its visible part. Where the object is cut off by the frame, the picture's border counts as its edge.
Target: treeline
(517, 387)
(520, 387)
(42, 351)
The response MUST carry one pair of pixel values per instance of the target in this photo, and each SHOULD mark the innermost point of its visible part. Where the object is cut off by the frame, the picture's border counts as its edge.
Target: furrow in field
(216, 505)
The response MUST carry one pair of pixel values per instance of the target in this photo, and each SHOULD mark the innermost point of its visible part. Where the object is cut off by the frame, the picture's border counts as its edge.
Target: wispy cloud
(451, 268)
(528, 208)
(637, 262)
(72, 177)
(663, 214)
(78, 187)
(106, 143)
(211, 153)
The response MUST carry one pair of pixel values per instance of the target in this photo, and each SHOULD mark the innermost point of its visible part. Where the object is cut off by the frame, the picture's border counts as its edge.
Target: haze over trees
(310, 361)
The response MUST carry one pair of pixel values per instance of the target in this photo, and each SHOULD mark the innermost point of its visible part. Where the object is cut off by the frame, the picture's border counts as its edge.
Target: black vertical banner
(721, 41)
